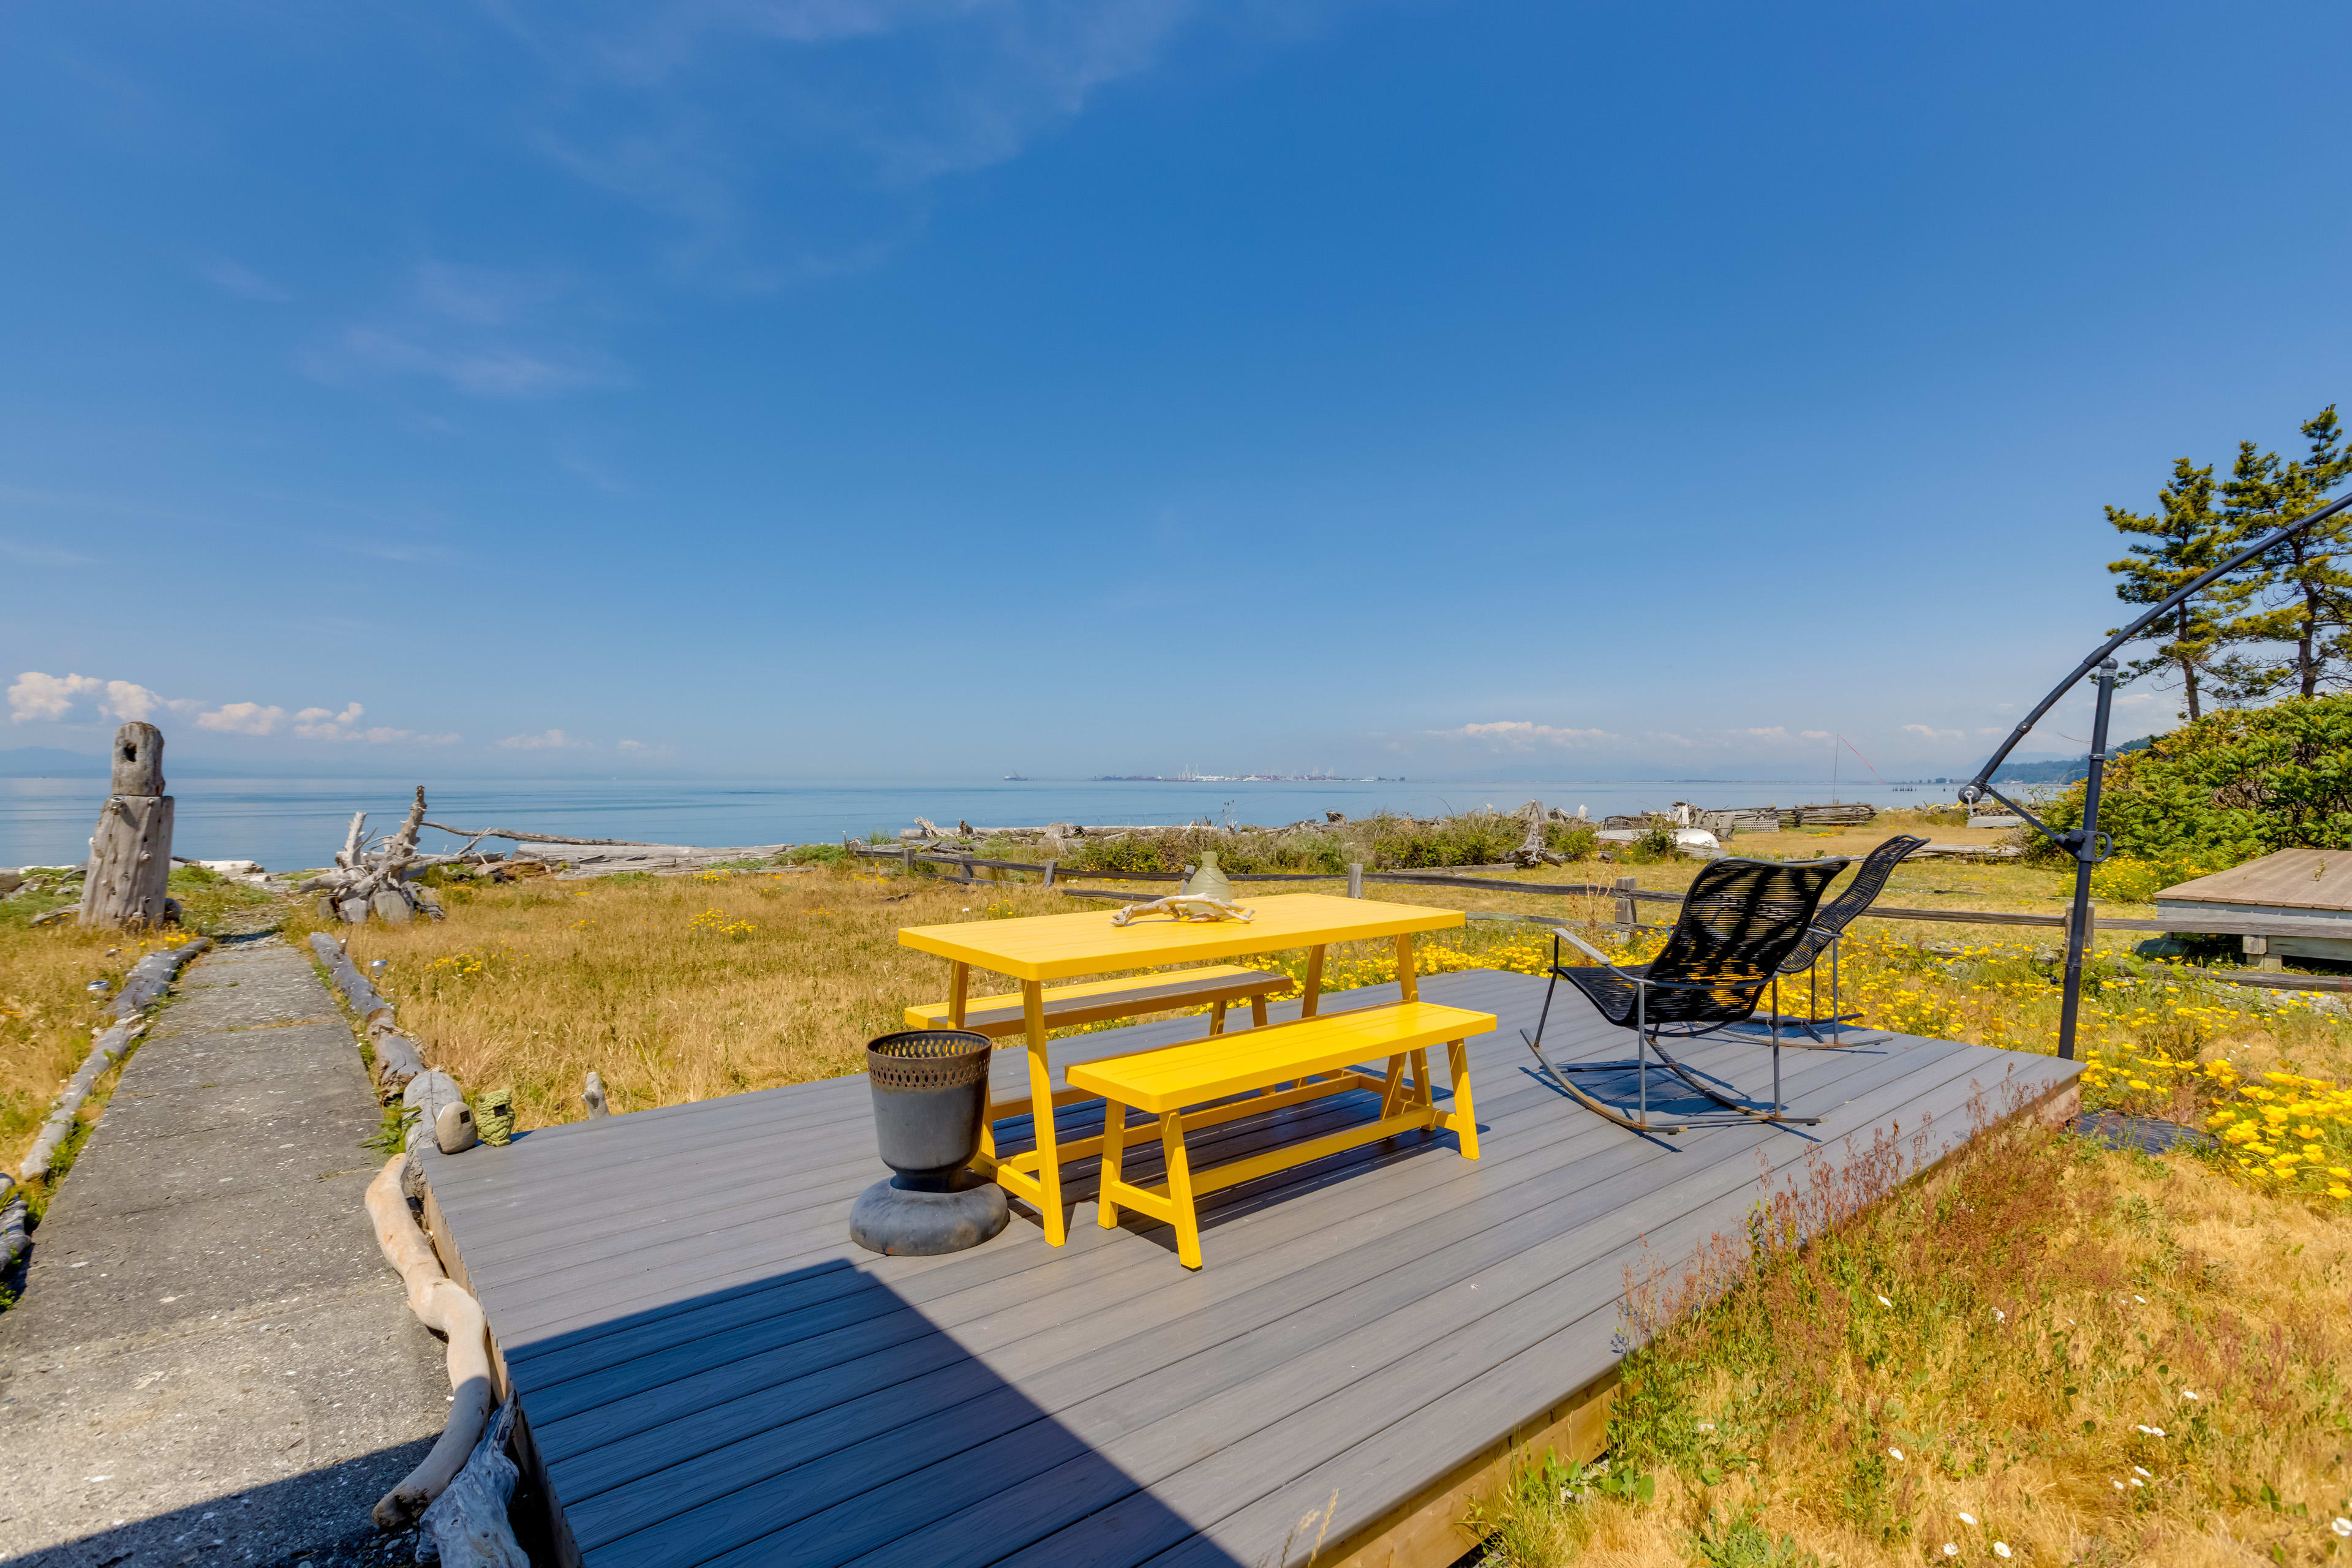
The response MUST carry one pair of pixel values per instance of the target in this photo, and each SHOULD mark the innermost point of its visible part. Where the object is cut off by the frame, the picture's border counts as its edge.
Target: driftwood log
(131, 852)
(376, 882)
(440, 1304)
(152, 975)
(371, 1008)
(110, 1046)
(429, 1094)
(466, 1526)
(14, 1217)
(479, 835)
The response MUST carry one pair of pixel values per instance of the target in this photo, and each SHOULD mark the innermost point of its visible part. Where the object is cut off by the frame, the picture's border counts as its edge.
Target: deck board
(716, 1375)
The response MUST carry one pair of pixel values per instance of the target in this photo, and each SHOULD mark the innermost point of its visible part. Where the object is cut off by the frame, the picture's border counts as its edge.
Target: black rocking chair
(1829, 927)
(1739, 921)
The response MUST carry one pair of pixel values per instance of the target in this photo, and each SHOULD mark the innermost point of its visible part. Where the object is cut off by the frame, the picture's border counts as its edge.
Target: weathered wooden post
(1355, 879)
(1628, 913)
(130, 853)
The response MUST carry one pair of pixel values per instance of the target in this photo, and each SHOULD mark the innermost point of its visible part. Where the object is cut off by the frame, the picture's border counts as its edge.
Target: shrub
(2231, 787)
(1577, 841)
(1473, 838)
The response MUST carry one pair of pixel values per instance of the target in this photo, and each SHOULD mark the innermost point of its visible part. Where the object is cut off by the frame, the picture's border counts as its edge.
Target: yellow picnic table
(1057, 947)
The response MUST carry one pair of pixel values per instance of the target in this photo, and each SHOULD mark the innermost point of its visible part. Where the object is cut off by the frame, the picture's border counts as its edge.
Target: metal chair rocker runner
(1739, 921)
(1827, 934)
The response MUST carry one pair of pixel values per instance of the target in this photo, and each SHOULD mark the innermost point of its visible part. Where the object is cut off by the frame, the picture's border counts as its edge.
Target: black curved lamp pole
(2086, 844)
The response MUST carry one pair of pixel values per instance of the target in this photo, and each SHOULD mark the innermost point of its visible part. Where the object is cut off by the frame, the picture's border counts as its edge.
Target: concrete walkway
(212, 1362)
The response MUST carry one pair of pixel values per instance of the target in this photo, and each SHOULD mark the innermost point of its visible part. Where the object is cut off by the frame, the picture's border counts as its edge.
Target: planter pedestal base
(905, 1223)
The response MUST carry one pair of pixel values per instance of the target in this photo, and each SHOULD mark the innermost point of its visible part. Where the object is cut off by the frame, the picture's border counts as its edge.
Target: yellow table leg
(1465, 1119)
(1257, 1012)
(1179, 1189)
(958, 998)
(1407, 982)
(1114, 1160)
(1040, 1115)
(1311, 995)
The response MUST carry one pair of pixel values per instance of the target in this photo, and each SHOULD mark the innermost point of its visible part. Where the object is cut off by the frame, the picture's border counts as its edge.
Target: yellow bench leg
(1216, 1017)
(1113, 1162)
(1179, 1189)
(1420, 1095)
(1465, 1114)
(1393, 1089)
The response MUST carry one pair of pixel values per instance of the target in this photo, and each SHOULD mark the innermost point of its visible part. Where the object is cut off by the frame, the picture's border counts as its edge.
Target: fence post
(907, 859)
(1049, 873)
(1628, 914)
(1355, 879)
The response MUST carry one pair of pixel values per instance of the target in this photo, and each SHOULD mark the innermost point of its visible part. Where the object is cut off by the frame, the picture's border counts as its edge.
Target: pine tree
(2303, 587)
(2189, 537)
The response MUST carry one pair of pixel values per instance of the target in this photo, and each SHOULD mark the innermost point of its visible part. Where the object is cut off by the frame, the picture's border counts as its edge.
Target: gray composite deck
(712, 1372)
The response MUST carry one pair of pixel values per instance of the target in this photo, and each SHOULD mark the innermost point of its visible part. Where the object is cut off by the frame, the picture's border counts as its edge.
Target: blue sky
(954, 387)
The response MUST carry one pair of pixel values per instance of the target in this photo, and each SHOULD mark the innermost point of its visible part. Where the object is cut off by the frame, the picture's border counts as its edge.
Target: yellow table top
(1051, 947)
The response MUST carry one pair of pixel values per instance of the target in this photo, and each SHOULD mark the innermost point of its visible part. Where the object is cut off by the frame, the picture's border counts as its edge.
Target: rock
(594, 1096)
(454, 1130)
(393, 909)
(353, 910)
(10, 881)
(327, 910)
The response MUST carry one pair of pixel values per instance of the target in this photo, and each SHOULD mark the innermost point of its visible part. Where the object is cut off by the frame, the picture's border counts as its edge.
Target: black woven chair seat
(1614, 993)
(1739, 922)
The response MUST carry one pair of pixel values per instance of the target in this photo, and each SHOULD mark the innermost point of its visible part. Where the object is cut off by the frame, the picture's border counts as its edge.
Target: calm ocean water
(286, 824)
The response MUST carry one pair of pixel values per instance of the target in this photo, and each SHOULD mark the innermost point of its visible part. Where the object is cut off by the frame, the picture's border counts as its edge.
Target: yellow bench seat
(1287, 1064)
(1216, 985)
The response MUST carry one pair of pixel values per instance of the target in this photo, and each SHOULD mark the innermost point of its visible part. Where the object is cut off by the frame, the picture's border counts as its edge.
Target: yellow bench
(1314, 1056)
(1218, 985)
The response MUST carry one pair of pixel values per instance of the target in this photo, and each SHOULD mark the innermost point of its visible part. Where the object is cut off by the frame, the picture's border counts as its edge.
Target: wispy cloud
(872, 99)
(321, 724)
(484, 332)
(1522, 734)
(1930, 732)
(236, 278)
(545, 740)
(35, 696)
(639, 749)
(43, 554)
(243, 719)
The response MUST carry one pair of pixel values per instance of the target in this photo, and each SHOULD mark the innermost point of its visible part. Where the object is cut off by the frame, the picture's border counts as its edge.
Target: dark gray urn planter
(931, 1092)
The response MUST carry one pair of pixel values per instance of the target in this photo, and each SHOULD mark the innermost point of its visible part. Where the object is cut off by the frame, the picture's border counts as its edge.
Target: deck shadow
(858, 1431)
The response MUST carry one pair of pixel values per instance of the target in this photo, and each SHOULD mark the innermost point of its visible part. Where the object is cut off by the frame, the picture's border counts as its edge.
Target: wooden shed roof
(2289, 879)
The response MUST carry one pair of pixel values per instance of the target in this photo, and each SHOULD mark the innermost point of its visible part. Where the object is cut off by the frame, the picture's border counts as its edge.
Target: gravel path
(212, 1362)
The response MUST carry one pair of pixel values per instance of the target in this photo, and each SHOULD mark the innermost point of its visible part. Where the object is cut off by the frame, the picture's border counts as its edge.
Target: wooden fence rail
(2198, 925)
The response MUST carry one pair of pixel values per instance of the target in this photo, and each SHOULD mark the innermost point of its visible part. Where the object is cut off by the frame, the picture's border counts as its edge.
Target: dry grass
(2086, 1357)
(685, 988)
(47, 1010)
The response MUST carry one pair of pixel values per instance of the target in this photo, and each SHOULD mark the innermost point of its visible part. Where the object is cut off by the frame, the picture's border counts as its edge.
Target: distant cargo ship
(1017, 778)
